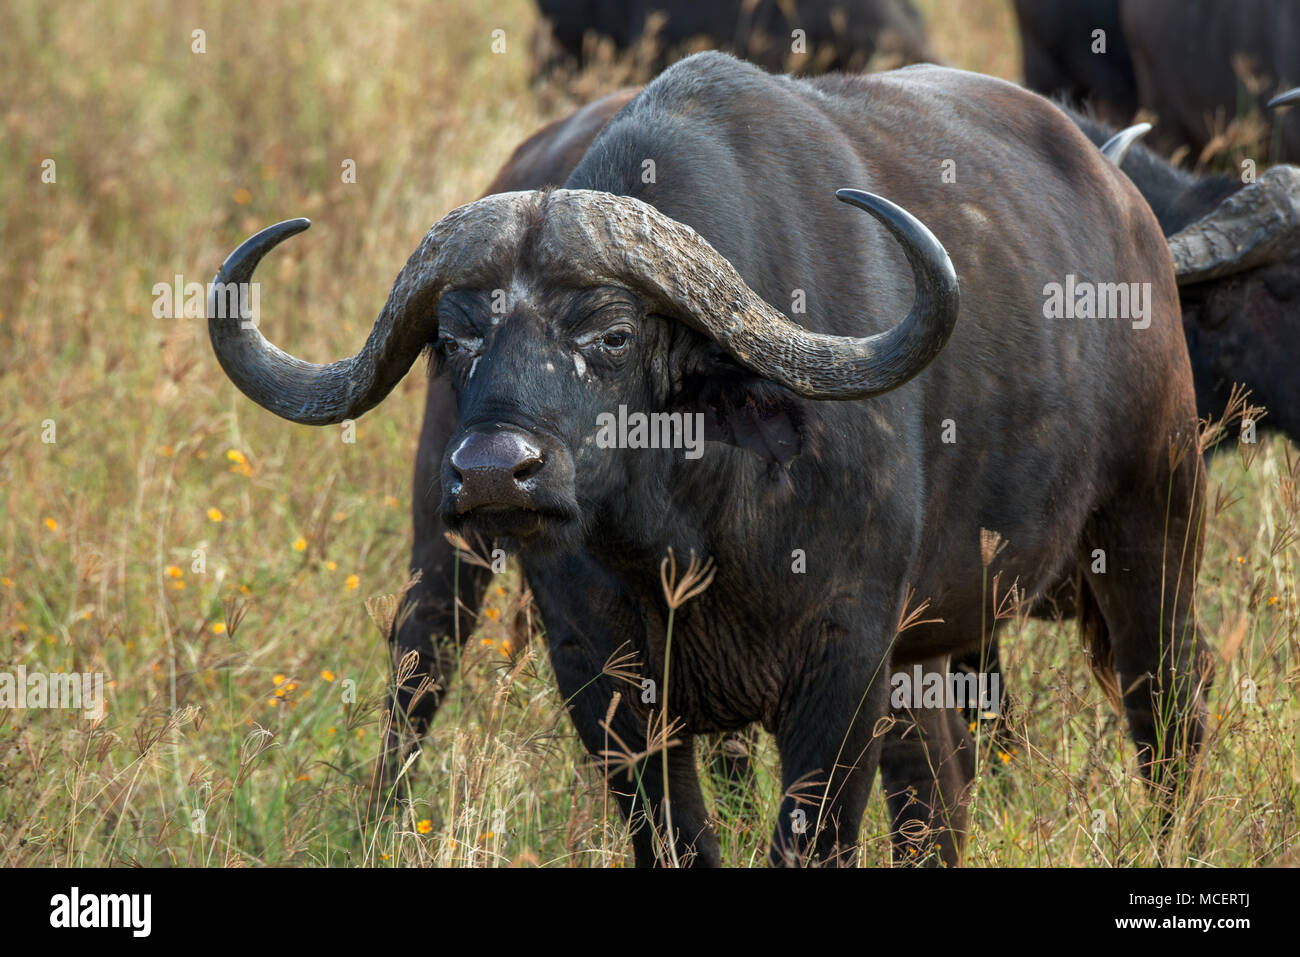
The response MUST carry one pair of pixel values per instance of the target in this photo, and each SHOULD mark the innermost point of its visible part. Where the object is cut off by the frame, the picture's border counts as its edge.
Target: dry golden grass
(249, 741)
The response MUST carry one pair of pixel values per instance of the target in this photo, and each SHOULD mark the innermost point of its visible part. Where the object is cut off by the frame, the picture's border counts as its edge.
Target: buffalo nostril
(529, 467)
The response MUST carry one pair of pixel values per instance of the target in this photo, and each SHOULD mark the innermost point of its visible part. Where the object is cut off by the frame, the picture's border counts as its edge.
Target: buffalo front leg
(829, 755)
(432, 624)
(627, 745)
(624, 737)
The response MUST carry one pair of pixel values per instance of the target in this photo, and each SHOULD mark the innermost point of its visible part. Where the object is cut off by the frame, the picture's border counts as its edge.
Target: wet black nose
(495, 469)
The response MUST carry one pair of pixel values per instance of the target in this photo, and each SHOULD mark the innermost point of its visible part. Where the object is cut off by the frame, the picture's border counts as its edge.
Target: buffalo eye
(451, 346)
(605, 330)
(615, 341)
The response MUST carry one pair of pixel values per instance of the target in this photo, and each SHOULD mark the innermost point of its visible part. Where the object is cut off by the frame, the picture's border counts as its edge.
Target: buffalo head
(550, 308)
(1238, 271)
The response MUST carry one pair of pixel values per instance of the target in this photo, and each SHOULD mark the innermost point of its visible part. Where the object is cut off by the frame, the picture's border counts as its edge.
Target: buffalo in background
(840, 35)
(1236, 251)
(1056, 43)
(1195, 64)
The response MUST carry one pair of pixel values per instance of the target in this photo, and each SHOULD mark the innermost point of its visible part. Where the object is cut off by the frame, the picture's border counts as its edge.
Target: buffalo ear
(436, 363)
(745, 411)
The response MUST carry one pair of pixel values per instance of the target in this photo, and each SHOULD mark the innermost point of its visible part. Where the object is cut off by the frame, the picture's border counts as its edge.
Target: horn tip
(1117, 147)
(876, 205)
(290, 227)
(251, 250)
(1282, 99)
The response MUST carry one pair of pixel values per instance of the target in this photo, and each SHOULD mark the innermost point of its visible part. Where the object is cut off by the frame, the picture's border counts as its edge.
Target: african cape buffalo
(1236, 252)
(882, 461)
(836, 34)
(1060, 50)
(1195, 64)
(1193, 58)
(1241, 326)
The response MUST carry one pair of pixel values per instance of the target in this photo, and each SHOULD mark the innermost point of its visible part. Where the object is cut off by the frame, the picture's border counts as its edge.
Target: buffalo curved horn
(626, 240)
(1282, 99)
(1117, 147)
(314, 394)
(1251, 227)
(593, 237)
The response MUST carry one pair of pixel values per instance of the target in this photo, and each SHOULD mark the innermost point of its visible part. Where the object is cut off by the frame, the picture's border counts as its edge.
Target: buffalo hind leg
(1141, 611)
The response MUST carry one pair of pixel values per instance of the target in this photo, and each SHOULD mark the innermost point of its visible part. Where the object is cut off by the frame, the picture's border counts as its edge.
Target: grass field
(215, 562)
